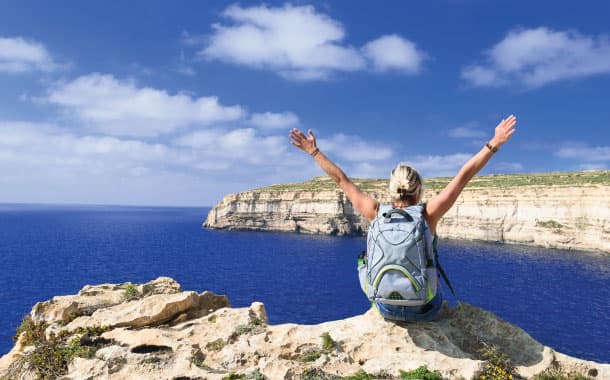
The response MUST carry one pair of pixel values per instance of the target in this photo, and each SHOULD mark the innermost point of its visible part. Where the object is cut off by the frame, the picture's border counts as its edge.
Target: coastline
(511, 209)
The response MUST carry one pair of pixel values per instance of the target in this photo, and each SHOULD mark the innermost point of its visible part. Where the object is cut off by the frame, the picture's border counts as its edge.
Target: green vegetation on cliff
(601, 177)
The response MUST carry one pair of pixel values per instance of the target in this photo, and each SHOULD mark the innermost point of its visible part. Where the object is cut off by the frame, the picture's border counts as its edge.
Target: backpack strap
(440, 268)
(441, 271)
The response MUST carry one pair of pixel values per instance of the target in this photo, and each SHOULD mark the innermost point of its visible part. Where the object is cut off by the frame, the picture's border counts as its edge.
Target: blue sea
(561, 298)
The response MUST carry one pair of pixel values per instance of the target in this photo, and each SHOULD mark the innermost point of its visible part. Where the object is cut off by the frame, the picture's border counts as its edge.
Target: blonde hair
(406, 184)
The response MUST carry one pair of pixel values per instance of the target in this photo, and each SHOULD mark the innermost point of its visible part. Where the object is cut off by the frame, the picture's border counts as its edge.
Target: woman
(406, 190)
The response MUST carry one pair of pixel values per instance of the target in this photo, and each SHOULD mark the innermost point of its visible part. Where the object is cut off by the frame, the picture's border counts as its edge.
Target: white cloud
(198, 168)
(393, 52)
(300, 43)
(585, 153)
(121, 108)
(237, 146)
(18, 55)
(438, 165)
(42, 143)
(354, 148)
(270, 120)
(470, 130)
(532, 58)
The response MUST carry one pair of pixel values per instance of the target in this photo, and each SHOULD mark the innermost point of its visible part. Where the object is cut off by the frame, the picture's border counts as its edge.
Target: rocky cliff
(158, 331)
(557, 210)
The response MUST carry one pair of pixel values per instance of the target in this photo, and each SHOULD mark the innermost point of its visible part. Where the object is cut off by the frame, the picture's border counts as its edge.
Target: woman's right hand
(504, 131)
(305, 143)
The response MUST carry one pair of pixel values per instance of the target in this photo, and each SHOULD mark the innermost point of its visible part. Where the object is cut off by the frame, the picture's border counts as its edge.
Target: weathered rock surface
(568, 215)
(204, 338)
(92, 298)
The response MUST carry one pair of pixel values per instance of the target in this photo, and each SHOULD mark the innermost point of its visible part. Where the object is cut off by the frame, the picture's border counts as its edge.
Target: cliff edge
(157, 331)
(555, 210)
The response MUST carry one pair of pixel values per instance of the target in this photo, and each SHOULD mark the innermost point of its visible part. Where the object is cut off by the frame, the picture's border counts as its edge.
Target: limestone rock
(91, 298)
(187, 335)
(153, 310)
(574, 215)
(149, 311)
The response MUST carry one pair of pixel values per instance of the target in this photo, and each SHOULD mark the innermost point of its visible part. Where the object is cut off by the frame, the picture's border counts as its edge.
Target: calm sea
(560, 297)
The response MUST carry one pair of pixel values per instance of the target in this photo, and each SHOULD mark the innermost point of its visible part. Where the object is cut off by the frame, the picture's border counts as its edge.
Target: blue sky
(166, 103)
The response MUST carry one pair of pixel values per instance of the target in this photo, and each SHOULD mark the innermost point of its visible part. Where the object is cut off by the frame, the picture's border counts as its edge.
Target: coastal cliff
(555, 210)
(158, 331)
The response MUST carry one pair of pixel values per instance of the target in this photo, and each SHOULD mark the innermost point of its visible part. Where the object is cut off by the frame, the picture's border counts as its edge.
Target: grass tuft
(421, 373)
(131, 292)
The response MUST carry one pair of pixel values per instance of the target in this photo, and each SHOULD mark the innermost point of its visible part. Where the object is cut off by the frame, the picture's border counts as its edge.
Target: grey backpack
(400, 267)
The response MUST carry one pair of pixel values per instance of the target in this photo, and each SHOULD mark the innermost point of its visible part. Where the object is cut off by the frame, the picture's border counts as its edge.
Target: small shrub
(243, 329)
(328, 344)
(33, 332)
(50, 357)
(551, 224)
(498, 366)
(131, 292)
(421, 373)
(362, 375)
(70, 318)
(555, 373)
(311, 356)
(215, 345)
(197, 356)
(253, 327)
(234, 376)
(317, 374)
(92, 330)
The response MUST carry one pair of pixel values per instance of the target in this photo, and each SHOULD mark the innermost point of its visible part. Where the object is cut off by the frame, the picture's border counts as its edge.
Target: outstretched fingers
(297, 136)
(301, 141)
(505, 129)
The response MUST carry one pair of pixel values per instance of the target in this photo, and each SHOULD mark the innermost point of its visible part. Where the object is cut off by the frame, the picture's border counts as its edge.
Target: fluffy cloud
(270, 120)
(18, 55)
(393, 52)
(438, 165)
(196, 168)
(50, 146)
(354, 148)
(299, 43)
(532, 58)
(123, 109)
(237, 146)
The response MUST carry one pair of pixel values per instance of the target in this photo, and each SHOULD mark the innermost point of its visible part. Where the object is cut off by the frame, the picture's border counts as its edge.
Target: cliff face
(158, 331)
(574, 213)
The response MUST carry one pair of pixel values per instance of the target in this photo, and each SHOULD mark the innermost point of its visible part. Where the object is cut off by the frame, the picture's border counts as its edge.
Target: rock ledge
(158, 331)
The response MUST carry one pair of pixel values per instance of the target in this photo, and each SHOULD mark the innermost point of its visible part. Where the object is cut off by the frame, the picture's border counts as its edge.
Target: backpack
(401, 264)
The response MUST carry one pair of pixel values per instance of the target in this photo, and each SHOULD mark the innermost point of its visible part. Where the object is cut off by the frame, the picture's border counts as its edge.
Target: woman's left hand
(305, 143)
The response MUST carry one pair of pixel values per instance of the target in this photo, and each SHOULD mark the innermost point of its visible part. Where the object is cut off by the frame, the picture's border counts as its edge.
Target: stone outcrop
(568, 211)
(183, 335)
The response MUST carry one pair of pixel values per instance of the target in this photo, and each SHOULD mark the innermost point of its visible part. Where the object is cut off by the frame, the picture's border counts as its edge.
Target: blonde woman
(406, 189)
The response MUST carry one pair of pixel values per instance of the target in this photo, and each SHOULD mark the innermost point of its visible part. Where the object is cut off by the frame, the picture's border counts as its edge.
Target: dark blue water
(559, 297)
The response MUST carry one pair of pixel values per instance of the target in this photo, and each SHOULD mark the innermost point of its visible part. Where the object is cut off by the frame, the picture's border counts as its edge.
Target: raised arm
(439, 205)
(366, 205)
